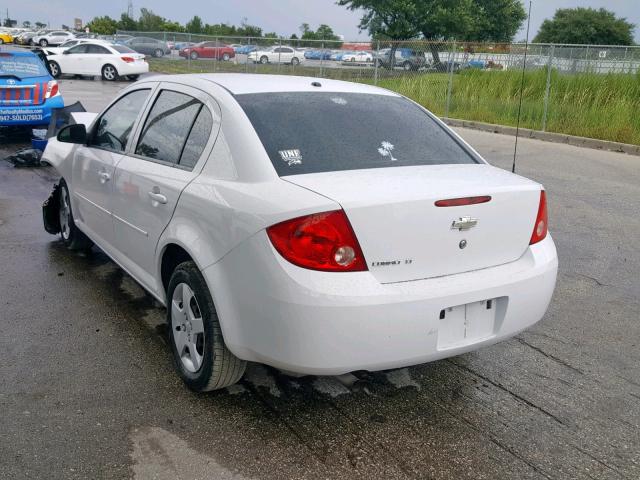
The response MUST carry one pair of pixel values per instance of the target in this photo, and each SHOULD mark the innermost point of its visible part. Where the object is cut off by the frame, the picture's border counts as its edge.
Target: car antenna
(524, 66)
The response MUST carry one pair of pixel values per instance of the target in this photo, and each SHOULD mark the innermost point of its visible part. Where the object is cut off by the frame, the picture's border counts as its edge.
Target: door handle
(158, 197)
(104, 177)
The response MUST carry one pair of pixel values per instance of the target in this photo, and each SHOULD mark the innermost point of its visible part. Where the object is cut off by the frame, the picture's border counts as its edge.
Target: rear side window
(99, 49)
(122, 49)
(114, 127)
(312, 132)
(168, 125)
(198, 138)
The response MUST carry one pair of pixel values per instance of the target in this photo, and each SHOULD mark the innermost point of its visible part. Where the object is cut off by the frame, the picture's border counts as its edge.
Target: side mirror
(73, 134)
(65, 52)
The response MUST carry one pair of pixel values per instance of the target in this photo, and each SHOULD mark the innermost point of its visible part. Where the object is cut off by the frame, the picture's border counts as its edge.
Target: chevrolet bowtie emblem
(464, 223)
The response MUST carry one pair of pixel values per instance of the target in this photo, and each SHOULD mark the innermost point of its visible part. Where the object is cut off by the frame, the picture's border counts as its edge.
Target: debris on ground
(25, 157)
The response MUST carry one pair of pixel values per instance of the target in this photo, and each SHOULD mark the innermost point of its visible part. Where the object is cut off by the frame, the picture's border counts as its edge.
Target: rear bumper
(29, 115)
(134, 68)
(318, 323)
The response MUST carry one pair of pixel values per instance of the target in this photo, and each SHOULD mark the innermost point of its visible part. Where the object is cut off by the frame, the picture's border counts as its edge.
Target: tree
(438, 20)
(103, 25)
(149, 21)
(26, 24)
(127, 23)
(194, 25)
(586, 26)
(496, 20)
(324, 32)
(40, 25)
(394, 20)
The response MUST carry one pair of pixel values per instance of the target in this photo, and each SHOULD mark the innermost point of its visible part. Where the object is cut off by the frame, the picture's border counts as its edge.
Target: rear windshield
(122, 49)
(312, 132)
(22, 66)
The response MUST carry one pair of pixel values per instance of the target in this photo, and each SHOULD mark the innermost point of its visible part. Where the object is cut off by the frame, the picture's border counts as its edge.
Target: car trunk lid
(15, 92)
(404, 236)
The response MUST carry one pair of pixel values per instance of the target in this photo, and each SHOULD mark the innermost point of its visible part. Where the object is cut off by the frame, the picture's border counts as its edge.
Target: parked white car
(99, 58)
(347, 235)
(361, 57)
(56, 37)
(276, 55)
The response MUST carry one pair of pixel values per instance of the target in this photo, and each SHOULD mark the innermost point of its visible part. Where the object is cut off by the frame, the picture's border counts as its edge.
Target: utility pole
(130, 9)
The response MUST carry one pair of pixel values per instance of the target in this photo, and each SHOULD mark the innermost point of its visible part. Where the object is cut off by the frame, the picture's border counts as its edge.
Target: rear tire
(407, 67)
(200, 355)
(264, 60)
(71, 236)
(225, 57)
(1, 41)
(158, 53)
(55, 69)
(44, 43)
(109, 73)
(295, 62)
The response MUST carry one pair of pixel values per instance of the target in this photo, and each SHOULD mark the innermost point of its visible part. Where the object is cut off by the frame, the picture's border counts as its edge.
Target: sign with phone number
(17, 115)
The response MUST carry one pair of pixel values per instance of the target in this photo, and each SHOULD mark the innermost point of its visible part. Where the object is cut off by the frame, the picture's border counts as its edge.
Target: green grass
(591, 105)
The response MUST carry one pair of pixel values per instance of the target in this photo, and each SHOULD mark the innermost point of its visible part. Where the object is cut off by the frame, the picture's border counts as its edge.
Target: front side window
(167, 126)
(114, 127)
(311, 132)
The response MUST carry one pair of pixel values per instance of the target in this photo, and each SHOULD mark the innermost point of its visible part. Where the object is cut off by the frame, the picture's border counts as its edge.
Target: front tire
(158, 53)
(225, 57)
(295, 62)
(109, 73)
(194, 55)
(55, 69)
(264, 60)
(71, 236)
(200, 355)
(44, 43)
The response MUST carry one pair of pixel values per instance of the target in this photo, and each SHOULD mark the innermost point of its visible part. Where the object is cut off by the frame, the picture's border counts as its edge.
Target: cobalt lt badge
(464, 223)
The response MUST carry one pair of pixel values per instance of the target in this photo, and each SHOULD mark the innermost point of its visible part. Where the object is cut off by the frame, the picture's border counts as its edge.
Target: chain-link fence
(583, 90)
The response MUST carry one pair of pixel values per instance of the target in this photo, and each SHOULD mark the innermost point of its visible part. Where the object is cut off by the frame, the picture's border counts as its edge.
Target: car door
(286, 54)
(95, 58)
(73, 59)
(180, 125)
(208, 50)
(94, 165)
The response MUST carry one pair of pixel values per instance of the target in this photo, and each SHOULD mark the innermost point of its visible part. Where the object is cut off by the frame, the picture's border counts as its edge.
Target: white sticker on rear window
(339, 100)
(385, 150)
(292, 157)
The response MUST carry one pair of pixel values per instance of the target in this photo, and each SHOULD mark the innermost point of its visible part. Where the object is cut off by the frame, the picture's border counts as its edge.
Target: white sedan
(99, 58)
(346, 235)
(276, 55)
(361, 57)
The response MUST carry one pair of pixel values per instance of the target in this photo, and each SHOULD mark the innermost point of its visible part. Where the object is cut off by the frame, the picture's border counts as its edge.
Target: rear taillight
(322, 241)
(541, 226)
(128, 59)
(52, 89)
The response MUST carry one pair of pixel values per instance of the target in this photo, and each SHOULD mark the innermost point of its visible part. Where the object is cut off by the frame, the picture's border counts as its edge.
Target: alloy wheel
(65, 214)
(187, 327)
(109, 72)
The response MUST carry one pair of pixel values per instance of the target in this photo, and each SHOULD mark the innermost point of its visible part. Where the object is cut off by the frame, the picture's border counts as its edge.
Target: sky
(282, 16)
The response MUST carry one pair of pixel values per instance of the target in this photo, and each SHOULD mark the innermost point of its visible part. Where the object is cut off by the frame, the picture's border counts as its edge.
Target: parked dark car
(407, 58)
(148, 46)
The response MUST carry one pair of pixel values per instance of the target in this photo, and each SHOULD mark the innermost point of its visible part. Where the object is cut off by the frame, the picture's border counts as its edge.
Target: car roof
(243, 83)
